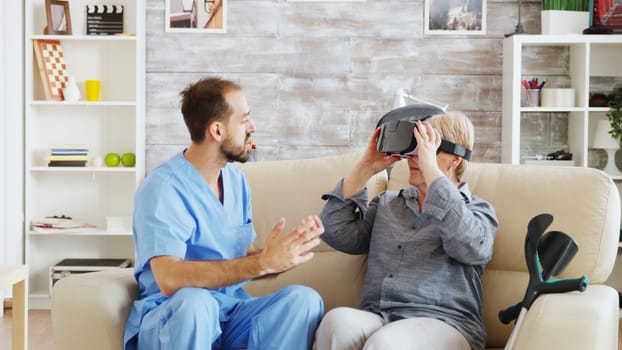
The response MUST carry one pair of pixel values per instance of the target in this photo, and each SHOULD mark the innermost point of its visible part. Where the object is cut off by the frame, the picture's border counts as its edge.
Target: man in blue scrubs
(193, 232)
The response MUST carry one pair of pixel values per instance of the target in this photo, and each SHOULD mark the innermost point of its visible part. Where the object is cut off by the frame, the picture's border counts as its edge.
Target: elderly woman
(427, 247)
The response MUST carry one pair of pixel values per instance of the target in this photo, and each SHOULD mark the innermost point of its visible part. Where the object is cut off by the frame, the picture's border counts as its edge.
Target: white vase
(71, 91)
(564, 22)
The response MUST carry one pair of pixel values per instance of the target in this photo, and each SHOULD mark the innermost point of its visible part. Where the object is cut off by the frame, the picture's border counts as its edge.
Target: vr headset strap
(453, 148)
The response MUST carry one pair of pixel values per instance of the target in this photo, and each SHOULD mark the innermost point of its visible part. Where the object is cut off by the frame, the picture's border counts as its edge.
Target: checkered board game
(52, 68)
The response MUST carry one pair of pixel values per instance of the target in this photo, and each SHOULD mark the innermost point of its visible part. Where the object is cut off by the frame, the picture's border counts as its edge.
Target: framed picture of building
(196, 16)
(455, 17)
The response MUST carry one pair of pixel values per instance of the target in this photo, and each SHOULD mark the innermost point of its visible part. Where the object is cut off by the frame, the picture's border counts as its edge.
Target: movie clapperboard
(104, 19)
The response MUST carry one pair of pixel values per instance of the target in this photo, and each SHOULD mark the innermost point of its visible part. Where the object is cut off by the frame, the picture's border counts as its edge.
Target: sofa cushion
(338, 277)
(293, 189)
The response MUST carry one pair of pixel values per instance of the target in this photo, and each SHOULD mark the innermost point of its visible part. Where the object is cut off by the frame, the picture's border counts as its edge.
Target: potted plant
(615, 114)
(565, 16)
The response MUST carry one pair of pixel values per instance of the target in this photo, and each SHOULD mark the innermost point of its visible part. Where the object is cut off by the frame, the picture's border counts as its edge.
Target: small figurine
(71, 91)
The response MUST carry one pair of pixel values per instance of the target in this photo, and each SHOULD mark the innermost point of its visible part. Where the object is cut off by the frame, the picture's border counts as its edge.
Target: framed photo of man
(455, 17)
(196, 16)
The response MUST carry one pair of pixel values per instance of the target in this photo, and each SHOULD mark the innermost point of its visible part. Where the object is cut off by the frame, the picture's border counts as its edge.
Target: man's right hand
(284, 251)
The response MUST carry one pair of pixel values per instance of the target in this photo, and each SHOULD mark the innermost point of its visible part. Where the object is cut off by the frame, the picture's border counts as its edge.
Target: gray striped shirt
(420, 263)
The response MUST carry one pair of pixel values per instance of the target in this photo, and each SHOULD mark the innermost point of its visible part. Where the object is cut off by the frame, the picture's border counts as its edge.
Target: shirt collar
(412, 192)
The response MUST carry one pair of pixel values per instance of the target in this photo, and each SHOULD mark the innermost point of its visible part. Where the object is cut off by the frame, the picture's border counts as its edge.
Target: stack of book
(60, 224)
(76, 155)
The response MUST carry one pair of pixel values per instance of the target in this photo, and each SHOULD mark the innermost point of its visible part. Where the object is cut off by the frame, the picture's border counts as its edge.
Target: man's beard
(235, 153)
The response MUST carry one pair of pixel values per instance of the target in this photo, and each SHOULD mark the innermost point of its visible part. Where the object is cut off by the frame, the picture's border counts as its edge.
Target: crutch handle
(511, 313)
(565, 285)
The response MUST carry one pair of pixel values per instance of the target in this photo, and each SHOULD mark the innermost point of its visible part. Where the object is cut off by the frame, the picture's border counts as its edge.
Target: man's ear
(215, 130)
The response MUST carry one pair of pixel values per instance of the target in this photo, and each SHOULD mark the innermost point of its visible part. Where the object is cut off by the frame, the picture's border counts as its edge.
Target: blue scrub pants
(196, 318)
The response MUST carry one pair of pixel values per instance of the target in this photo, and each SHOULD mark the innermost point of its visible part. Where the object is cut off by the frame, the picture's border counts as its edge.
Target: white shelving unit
(593, 65)
(589, 59)
(113, 124)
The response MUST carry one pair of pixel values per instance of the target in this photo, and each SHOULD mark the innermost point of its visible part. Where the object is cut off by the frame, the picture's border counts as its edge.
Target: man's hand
(283, 252)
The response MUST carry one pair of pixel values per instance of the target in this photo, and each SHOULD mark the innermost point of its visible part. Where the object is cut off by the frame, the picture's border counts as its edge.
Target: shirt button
(390, 275)
(399, 246)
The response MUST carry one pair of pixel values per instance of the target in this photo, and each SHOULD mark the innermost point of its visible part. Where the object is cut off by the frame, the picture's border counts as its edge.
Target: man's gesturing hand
(283, 252)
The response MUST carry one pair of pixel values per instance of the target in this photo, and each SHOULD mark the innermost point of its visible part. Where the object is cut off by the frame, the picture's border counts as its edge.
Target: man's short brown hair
(204, 102)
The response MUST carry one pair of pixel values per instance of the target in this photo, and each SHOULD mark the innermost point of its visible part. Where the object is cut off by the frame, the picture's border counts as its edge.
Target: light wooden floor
(40, 330)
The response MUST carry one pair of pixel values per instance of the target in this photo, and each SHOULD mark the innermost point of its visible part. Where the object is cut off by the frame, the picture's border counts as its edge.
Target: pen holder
(532, 98)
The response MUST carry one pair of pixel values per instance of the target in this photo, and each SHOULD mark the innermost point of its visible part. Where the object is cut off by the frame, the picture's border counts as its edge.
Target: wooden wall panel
(316, 56)
(384, 19)
(318, 76)
(445, 57)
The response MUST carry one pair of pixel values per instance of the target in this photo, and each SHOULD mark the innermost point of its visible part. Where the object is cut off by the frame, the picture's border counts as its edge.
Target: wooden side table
(17, 277)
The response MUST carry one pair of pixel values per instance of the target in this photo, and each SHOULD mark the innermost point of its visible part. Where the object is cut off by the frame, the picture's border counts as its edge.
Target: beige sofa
(89, 311)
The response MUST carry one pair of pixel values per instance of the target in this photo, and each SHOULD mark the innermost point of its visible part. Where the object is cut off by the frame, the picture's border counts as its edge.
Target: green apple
(112, 159)
(128, 159)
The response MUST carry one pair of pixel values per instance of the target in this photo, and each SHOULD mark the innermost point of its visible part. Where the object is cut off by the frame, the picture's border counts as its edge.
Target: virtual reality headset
(396, 132)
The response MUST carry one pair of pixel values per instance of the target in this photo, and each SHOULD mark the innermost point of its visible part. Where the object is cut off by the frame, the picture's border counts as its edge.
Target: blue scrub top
(177, 214)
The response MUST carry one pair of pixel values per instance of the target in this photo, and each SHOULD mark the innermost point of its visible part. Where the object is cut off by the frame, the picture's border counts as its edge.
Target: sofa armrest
(89, 310)
(574, 320)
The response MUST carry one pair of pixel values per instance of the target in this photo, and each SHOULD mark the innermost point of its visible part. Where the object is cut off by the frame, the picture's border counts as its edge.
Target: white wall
(11, 139)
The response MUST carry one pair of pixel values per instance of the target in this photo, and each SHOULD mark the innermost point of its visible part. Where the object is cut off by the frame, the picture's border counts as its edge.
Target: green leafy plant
(566, 5)
(615, 114)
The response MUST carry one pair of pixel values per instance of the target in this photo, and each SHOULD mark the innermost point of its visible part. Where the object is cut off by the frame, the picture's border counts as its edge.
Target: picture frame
(195, 16)
(451, 17)
(58, 17)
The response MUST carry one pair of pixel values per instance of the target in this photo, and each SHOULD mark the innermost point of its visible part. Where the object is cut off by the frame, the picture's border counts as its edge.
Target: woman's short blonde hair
(455, 127)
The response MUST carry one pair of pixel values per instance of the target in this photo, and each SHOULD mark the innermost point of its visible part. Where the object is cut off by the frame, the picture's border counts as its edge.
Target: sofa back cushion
(584, 203)
(293, 189)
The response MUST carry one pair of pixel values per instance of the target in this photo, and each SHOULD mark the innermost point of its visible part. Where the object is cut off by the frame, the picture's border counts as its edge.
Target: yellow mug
(92, 89)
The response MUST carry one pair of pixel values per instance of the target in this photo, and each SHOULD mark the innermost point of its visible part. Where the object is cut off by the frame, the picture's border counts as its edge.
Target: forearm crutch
(546, 255)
